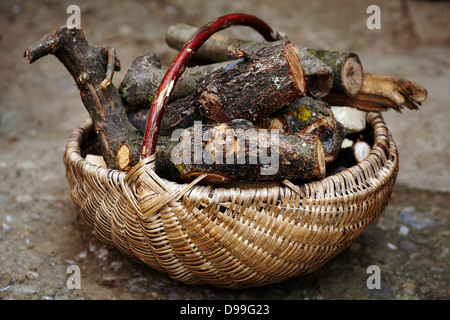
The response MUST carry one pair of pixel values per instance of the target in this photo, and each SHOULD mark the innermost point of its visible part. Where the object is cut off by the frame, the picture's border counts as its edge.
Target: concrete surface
(42, 233)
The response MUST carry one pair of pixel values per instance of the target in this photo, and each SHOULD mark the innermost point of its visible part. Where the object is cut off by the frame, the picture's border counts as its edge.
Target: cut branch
(235, 91)
(92, 69)
(142, 79)
(347, 70)
(318, 75)
(238, 150)
(381, 93)
(309, 117)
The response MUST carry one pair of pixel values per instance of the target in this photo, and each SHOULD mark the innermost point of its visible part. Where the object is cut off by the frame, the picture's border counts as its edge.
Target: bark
(92, 69)
(309, 117)
(180, 113)
(347, 70)
(218, 48)
(238, 150)
(235, 91)
(253, 88)
(142, 79)
(382, 92)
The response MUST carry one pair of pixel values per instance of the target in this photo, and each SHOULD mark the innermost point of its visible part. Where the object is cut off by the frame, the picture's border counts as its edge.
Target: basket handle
(179, 65)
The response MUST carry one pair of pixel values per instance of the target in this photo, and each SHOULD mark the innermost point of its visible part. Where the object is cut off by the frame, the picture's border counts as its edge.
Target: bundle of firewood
(242, 110)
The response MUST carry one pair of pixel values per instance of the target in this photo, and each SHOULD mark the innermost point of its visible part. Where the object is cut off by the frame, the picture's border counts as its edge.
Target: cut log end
(123, 158)
(295, 68)
(361, 150)
(352, 75)
(320, 85)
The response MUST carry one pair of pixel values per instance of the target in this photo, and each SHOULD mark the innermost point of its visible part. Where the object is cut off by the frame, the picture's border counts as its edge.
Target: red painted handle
(179, 65)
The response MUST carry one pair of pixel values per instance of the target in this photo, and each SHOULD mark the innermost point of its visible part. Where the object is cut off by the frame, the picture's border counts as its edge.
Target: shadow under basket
(231, 237)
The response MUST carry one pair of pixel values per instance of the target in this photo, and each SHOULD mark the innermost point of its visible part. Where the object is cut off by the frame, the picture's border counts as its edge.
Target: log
(250, 88)
(180, 113)
(253, 87)
(238, 150)
(309, 117)
(347, 70)
(381, 93)
(220, 48)
(143, 77)
(92, 68)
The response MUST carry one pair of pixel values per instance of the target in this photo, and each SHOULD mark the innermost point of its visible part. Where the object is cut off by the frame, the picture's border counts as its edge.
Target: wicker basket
(233, 237)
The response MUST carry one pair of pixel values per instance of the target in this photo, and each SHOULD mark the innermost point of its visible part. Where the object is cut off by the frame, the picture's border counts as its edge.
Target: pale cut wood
(381, 93)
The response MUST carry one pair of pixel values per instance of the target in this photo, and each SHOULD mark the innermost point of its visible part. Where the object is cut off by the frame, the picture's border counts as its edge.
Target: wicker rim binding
(231, 237)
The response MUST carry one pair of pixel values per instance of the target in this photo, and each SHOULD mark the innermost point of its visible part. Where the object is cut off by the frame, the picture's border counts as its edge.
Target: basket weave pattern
(231, 237)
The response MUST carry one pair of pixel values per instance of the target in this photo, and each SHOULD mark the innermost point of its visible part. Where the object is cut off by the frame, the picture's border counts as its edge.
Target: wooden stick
(180, 113)
(318, 75)
(381, 93)
(307, 116)
(238, 150)
(235, 91)
(92, 69)
(252, 89)
(347, 70)
(144, 75)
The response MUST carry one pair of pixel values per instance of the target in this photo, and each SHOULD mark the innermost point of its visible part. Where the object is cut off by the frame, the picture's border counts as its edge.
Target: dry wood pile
(238, 108)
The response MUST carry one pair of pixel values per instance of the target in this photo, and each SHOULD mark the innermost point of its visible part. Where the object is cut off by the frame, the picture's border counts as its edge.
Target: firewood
(309, 117)
(92, 69)
(250, 88)
(347, 70)
(238, 150)
(144, 75)
(381, 93)
(253, 88)
(180, 113)
(318, 75)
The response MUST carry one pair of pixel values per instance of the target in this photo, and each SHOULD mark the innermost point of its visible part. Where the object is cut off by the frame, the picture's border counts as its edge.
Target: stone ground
(42, 233)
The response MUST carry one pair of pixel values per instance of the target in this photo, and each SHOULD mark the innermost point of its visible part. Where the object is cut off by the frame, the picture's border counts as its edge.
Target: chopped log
(218, 48)
(180, 113)
(347, 70)
(234, 91)
(253, 88)
(381, 93)
(309, 117)
(92, 69)
(143, 77)
(238, 150)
